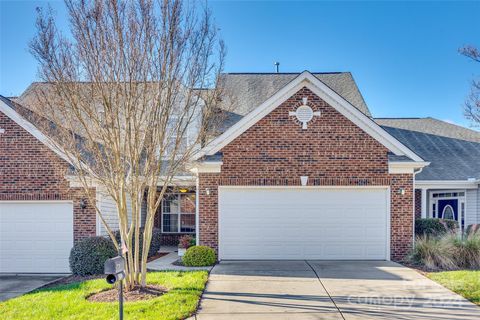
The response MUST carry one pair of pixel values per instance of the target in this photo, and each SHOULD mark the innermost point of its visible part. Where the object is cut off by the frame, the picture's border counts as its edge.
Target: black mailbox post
(115, 270)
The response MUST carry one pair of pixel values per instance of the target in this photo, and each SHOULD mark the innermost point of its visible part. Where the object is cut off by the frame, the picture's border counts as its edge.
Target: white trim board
(446, 184)
(30, 128)
(406, 167)
(306, 79)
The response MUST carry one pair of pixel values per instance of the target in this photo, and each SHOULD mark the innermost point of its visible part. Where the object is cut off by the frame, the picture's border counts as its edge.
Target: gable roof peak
(330, 96)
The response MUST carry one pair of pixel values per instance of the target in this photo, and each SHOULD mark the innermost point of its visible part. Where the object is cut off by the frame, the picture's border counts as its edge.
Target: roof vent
(277, 64)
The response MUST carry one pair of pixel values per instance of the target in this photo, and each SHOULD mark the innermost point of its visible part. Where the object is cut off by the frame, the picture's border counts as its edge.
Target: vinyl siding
(472, 206)
(108, 208)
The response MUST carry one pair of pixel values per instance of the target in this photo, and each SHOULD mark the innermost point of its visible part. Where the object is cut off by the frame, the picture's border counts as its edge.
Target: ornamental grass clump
(448, 252)
(434, 253)
(467, 251)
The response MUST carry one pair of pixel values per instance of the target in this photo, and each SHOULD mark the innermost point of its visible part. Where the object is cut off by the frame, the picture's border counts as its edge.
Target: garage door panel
(275, 223)
(36, 236)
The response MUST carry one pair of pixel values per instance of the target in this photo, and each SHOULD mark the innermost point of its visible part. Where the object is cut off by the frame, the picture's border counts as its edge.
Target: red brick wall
(401, 215)
(29, 170)
(331, 151)
(418, 203)
(331, 147)
(208, 209)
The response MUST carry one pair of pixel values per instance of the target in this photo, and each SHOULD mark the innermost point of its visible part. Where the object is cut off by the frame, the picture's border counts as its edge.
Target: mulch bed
(137, 294)
(178, 262)
(156, 256)
(419, 268)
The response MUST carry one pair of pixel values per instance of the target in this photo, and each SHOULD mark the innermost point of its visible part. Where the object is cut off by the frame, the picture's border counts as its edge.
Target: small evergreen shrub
(88, 256)
(199, 256)
(450, 225)
(434, 227)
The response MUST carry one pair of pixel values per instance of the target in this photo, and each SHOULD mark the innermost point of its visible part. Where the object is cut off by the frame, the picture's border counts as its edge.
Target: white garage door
(35, 236)
(303, 223)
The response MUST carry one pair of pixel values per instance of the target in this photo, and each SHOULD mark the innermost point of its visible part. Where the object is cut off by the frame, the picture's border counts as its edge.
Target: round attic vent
(304, 114)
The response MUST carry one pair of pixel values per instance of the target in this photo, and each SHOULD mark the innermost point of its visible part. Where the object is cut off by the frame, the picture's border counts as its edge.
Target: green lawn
(465, 283)
(68, 301)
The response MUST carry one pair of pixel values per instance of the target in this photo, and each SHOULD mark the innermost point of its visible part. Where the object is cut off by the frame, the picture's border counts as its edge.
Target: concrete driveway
(12, 286)
(327, 290)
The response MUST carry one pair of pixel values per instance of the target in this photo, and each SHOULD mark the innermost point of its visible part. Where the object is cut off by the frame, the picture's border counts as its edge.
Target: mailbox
(115, 269)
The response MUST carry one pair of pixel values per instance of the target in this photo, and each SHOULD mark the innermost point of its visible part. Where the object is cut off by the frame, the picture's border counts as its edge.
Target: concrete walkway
(12, 286)
(166, 263)
(327, 290)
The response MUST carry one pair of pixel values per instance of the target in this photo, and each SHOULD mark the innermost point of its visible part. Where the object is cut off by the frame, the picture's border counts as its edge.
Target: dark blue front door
(443, 209)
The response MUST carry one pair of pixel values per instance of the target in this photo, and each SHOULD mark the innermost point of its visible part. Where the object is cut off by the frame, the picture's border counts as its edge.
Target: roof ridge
(400, 118)
(280, 73)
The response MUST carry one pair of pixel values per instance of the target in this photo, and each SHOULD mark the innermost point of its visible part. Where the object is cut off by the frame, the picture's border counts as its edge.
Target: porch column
(424, 203)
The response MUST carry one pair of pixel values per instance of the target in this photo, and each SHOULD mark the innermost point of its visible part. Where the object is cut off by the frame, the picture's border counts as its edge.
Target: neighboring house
(301, 171)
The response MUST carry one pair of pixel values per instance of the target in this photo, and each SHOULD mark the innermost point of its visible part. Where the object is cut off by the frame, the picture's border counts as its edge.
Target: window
(448, 213)
(178, 213)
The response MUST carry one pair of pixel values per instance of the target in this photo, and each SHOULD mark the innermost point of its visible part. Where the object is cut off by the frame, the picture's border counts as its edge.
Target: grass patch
(69, 301)
(466, 283)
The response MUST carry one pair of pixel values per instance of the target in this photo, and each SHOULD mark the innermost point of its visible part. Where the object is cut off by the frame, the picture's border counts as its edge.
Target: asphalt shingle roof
(243, 92)
(450, 159)
(431, 126)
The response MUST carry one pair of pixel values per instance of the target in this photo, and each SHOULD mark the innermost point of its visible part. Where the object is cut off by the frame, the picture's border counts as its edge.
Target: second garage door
(303, 223)
(35, 237)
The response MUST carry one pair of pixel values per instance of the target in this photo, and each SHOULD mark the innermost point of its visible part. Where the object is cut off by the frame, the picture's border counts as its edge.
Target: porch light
(83, 203)
(401, 191)
(183, 190)
(207, 191)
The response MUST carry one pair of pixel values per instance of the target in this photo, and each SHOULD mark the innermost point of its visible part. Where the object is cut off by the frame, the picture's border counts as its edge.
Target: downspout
(415, 172)
(197, 210)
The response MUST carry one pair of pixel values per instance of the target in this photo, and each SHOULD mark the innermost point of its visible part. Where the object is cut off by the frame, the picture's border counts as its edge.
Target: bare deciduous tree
(472, 104)
(121, 93)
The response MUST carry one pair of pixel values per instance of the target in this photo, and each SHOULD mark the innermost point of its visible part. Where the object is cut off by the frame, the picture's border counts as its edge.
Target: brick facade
(29, 170)
(332, 151)
(418, 203)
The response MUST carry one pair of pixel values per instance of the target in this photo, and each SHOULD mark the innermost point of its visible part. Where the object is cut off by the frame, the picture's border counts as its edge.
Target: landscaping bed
(179, 298)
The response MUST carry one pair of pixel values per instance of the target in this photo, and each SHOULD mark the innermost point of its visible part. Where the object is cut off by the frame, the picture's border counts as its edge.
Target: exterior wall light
(207, 191)
(401, 191)
(83, 203)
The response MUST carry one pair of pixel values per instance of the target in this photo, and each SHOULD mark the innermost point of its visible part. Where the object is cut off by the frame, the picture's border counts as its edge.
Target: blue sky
(403, 55)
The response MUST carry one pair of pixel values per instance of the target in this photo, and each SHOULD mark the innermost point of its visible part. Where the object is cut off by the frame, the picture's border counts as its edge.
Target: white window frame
(178, 214)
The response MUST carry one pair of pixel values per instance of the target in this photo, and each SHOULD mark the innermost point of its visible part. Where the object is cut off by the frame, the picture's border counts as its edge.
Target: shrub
(434, 253)
(154, 244)
(88, 256)
(199, 256)
(186, 241)
(434, 227)
(450, 225)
